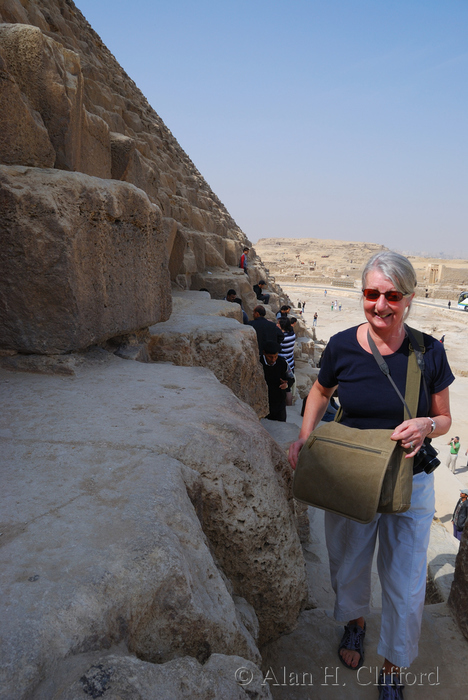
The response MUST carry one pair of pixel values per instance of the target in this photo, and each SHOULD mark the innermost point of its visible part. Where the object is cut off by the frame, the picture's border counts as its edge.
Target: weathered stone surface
(127, 678)
(79, 110)
(81, 260)
(218, 282)
(206, 333)
(48, 80)
(117, 485)
(305, 376)
(458, 599)
(23, 136)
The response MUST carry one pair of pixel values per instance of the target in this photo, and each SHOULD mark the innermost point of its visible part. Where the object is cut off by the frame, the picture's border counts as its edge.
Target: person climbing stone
(284, 311)
(258, 289)
(243, 259)
(231, 295)
(266, 330)
(279, 378)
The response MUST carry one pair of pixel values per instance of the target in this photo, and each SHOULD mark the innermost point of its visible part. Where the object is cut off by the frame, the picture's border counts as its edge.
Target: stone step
(304, 665)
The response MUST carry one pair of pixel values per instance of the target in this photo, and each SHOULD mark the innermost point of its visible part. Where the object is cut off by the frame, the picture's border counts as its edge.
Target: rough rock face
(69, 105)
(46, 87)
(81, 260)
(199, 334)
(459, 593)
(128, 678)
(139, 500)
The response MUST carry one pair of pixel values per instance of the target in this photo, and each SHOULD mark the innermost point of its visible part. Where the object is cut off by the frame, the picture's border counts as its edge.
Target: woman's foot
(351, 649)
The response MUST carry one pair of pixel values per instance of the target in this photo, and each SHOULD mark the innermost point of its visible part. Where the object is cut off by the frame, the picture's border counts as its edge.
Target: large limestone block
(305, 377)
(81, 260)
(122, 149)
(139, 473)
(48, 77)
(218, 282)
(95, 152)
(23, 136)
(128, 678)
(205, 333)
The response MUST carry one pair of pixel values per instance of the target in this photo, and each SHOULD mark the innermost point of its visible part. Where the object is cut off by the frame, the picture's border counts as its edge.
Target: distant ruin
(307, 261)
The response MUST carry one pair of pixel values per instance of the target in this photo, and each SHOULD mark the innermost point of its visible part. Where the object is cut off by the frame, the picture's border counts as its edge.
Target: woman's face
(384, 316)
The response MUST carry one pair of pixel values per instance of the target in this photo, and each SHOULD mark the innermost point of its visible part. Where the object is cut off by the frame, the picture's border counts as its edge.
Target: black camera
(426, 459)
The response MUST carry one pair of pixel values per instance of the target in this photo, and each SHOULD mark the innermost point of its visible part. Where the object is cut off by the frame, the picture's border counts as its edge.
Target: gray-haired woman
(369, 401)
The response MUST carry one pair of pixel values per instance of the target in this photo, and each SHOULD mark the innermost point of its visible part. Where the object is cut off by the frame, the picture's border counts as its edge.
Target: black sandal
(390, 686)
(353, 640)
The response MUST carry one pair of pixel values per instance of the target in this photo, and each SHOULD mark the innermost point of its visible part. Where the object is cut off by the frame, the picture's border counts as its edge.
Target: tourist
(231, 295)
(314, 322)
(454, 449)
(284, 311)
(243, 259)
(279, 378)
(449, 305)
(368, 400)
(460, 514)
(266, 330)
(258, 289)
(288, 342)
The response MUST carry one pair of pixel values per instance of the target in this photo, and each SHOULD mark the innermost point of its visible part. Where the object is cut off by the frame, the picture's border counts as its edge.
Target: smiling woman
(368, 400)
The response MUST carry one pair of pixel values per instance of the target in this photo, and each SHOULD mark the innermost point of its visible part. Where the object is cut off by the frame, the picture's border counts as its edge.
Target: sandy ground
(433, 317)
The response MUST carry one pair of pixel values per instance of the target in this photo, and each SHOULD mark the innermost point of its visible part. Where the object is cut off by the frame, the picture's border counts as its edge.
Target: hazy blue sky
(312, 118)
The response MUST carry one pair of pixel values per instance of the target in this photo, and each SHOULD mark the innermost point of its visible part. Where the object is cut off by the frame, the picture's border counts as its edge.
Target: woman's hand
(294, 450)
(411, 434)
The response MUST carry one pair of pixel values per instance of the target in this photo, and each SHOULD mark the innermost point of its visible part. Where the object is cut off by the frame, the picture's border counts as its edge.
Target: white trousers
(402, 567)
(452, 462)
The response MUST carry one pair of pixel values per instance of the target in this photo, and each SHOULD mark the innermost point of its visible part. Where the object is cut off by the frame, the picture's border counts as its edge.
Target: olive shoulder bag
(357, 473)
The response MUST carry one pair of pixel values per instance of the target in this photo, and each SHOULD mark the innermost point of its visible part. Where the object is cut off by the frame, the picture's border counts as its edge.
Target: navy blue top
(366, 395)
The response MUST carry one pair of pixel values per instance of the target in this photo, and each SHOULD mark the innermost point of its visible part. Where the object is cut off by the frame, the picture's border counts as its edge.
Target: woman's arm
(316, 405)
(412, 432)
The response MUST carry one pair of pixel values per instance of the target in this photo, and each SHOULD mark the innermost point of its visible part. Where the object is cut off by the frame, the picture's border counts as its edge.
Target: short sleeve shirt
(366, 395)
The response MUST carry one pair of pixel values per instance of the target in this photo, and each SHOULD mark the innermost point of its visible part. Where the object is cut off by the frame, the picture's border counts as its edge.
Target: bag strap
(413, 373)
(417, 344)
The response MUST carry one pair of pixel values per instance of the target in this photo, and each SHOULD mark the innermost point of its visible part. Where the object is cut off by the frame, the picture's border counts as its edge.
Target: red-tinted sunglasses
(374, 294)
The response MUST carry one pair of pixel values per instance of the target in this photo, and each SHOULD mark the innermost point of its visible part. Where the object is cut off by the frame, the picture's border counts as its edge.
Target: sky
(334, 119)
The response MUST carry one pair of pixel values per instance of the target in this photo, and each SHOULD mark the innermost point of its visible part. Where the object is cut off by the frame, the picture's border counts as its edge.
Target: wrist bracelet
(433, 425)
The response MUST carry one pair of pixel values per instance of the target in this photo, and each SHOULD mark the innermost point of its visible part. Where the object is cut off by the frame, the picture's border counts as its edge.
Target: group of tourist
(276, 349)
(276, 342)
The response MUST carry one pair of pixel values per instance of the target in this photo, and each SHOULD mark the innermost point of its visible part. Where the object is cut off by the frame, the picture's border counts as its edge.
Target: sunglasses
(374, 294)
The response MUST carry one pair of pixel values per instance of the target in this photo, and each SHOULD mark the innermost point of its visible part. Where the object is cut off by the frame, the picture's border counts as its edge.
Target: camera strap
(413, 374)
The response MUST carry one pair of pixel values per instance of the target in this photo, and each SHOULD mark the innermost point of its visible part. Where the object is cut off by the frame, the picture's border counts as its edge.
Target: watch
(433, 425)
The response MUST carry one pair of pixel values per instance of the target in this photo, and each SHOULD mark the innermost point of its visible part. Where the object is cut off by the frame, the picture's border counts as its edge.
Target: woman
(288, 342)
(369, 401)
